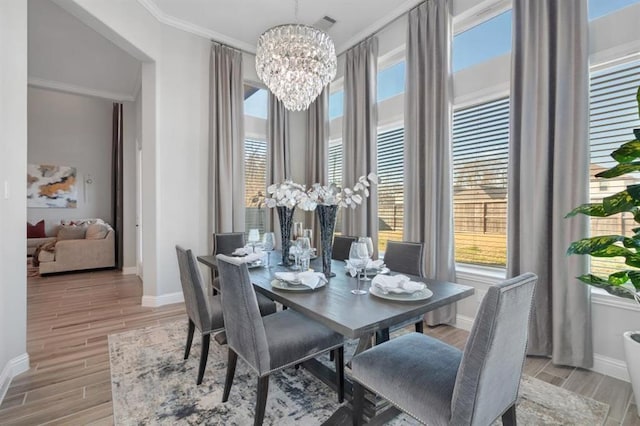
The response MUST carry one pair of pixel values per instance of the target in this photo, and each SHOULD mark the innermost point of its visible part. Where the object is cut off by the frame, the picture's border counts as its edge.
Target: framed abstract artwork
(50, 186)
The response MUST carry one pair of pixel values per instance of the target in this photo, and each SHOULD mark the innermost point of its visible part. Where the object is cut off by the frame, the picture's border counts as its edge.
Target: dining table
(367, 317)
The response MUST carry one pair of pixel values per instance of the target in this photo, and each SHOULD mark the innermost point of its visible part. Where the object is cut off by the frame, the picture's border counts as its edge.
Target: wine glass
(369, 244)
(357, 255)
(297, 230)
(295, 251)
(268, 244)
(253, 238)
(304, 247)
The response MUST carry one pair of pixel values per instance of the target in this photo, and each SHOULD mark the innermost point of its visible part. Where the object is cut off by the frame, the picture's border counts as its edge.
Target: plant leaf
(590, 209)
(596, 244)
(616, 290)
(619, 170)
(613, 251)
(633, 260)
(634, 276)
(619, 202)
(627, 152)
(618, 278)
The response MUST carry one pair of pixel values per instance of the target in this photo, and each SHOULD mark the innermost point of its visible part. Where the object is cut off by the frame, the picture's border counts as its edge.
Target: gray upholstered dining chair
(341, 247)
(440, 385)
(406, 258)
(272, 343)
(203, 309)
(224, 243)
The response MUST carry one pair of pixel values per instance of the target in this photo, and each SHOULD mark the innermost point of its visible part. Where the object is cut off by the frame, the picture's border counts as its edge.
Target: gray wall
(72, 130)
(13, 191)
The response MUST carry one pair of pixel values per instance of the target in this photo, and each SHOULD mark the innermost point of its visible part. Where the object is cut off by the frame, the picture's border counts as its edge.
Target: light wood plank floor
(71, 315)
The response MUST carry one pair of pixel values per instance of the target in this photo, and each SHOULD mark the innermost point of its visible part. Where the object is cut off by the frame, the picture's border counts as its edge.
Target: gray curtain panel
(278, 154)
(549, 172)
(359, 135)
(226, 141)
(317, 169)
(428, 212)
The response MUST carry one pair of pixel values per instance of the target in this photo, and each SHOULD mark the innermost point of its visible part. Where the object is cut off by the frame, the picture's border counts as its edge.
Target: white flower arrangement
(286, 194)
(291, 194)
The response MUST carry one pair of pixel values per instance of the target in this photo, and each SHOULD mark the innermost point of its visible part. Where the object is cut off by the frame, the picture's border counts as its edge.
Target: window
(390, 187)
(391, 81)
(335, 162)
(482, 42)
(480, 159)
(599, 8)
(255, 101)
(613, 115)
(336, 104)
(255, 155)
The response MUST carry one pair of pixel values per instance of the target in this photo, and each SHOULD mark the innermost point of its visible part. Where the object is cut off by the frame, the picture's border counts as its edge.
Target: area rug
(153, 384)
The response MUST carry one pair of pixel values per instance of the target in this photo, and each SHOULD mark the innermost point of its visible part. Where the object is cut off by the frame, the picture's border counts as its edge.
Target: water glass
(295, 251)
(269, 244)
(357, 257)
(369, 244)
(253, 238)
(304, 247)
(296, 232)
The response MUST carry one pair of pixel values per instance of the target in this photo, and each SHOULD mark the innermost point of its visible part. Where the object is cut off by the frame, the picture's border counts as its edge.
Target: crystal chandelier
(295, 62)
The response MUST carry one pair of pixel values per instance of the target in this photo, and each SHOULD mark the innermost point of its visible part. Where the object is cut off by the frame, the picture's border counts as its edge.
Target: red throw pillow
(36, 231)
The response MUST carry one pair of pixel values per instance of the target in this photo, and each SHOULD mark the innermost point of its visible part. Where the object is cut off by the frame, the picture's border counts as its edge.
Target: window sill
(601, 297)
(482, 274)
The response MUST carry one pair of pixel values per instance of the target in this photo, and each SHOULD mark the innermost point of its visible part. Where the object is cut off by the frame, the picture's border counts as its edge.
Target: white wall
(72, 130)
(13, 191)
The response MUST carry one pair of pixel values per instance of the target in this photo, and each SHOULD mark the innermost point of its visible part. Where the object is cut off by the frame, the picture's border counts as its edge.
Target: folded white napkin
(372, 264)
(309, 278)
(249, 258)
(396, 284)
(247, 250)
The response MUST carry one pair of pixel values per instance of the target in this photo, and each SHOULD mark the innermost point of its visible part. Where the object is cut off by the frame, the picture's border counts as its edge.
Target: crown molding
(180, 24)
(78, 90)
(376, 26)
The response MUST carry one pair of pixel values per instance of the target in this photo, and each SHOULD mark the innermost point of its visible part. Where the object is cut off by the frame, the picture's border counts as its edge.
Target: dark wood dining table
(354, 316)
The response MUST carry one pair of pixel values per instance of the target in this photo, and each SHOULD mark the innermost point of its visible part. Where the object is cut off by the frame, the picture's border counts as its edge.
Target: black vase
(327, 218)
(285, 216)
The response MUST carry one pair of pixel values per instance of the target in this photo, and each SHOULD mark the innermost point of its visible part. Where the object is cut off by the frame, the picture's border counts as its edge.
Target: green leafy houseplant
(625, 282)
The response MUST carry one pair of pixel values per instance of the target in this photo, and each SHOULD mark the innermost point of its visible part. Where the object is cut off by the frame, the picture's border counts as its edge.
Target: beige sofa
(79, 254)
(33, 243)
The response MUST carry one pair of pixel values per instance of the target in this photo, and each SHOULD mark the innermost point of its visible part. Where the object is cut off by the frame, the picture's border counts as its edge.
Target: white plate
(402, 297)
(314, 256)
(256, 264)
(373, 272)
(284, 285)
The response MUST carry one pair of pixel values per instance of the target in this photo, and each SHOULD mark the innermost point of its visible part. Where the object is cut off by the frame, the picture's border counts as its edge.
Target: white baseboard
(15, 366)
(130, 270)
(610, 367)
(163, 299)
(464, 322)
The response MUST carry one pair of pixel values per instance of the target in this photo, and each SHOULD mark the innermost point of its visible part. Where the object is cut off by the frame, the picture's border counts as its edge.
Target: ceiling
(240, 23)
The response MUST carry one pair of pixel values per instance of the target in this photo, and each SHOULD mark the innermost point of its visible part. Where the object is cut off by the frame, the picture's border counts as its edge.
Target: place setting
(301, 277)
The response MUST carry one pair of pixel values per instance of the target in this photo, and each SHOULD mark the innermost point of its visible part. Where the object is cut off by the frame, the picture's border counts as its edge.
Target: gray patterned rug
(152, 384)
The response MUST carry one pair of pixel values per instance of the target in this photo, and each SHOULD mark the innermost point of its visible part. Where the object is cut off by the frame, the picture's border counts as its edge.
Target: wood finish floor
(71, 315)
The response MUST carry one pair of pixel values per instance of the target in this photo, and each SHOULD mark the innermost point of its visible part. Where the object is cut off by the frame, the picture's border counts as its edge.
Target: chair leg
(331, 356)
(231, 371)
(509, 416)
(261, 402)
(206, 338)
(358, 403)
(340, 372)
(187, 349)
(420, 327)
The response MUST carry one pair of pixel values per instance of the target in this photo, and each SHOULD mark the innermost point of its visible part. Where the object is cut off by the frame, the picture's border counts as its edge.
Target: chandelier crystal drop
(295, 62)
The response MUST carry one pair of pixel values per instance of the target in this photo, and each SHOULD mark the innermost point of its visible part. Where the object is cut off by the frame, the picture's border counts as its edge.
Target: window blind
(255, 155)
(613, 113)
(390, 187)
(335, 162)
(480, 160)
